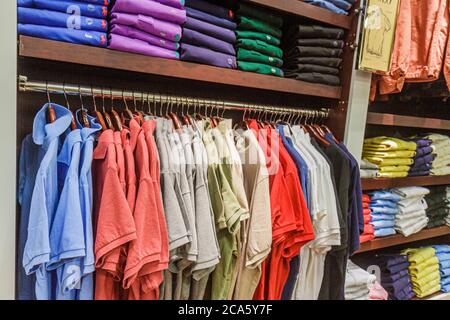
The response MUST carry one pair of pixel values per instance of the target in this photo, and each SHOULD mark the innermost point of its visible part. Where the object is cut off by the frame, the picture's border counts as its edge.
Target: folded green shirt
(261, 14)
(244, 34)
(259, 68)
(254, 56)
(260, 46)
(253, 24)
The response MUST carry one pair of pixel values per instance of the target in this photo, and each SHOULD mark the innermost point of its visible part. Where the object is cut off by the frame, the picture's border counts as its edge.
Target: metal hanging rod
(71, 89)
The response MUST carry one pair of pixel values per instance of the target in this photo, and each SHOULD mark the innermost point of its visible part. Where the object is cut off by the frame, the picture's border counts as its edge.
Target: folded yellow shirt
(389, 154)
(430, 288)
(390, 162)
(424, 281)
(418, 273)
(388, 144)
(392, 174)
(419, 255)
(394, 168)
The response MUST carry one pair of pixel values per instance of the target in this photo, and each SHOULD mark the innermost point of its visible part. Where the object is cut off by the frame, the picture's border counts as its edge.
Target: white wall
(8, 65)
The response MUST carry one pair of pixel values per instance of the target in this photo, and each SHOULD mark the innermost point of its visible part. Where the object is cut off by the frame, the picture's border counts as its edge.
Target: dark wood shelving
(105, 58)
(302, 9)
(383, 183)
(398, 239)
(387, 119)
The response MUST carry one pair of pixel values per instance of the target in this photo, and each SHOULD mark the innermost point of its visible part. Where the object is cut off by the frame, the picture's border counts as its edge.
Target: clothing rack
(26, 85)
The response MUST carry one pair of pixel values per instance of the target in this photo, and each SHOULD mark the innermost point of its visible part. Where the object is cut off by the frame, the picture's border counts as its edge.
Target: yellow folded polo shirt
(419, 255)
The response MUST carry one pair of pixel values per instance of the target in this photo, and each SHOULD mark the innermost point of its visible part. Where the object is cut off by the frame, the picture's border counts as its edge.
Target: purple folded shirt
(173, 3)
(209, 29)
(423, 160)
(150, 8)
(207, 56)
(210, 8)
(389, 278)
(160, 28)
(121, 43)
(200, 15)
(421, 167)
(134, 33)
(423, 142)
(202, 40)
(422, 151)
(420, 173)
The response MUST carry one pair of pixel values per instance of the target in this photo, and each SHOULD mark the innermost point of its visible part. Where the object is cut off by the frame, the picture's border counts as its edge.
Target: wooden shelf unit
(303, 9)
(386, 119)
(105, 58)
(384, 183)
(398, 239)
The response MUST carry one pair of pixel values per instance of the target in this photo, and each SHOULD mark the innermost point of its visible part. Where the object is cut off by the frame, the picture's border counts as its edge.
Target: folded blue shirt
(445, 272)
(70, 7)
(380, 216)
(446, 288)
(326, 5)
(380, 224)
(444, 264)
(342, 4)
(445, 281)
(92, 38)
(384, 195)
(384, 232)
(59, 19)
(383, 203)
(384, 210)
(443, 256)
(442, 248)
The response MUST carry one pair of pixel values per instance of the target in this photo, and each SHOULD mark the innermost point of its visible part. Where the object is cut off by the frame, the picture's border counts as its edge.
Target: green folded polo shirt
(261, 14)
(259, 68)
(260, 46)
(253, 24)
(254, 56)
(243, 34)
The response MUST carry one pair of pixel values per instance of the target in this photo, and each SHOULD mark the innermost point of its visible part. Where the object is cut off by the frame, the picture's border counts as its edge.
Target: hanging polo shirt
(130, 169)
(86, 289)
(254, 35)
(252, 24)
(115, 226)
(255, 56)
(44, 200)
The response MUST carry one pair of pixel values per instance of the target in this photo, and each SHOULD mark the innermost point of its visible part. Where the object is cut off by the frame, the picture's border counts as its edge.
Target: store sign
(378, 35)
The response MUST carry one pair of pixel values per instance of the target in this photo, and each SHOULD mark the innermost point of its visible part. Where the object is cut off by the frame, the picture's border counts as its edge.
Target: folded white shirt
(411, 192)
(368, 165)
(368, 173)
(417, 205)
(410, 202)
(357, 277)
(410, 216)
(406, 223)
(413, 228)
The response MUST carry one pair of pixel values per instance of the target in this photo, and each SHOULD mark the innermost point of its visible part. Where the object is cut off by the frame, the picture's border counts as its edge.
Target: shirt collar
(87, 133)
(46, 131)
(72, 138)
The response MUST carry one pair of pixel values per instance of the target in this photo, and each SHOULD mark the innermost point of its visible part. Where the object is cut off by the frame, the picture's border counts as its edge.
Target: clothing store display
(313, 43)
(258, 40)
(383, 206)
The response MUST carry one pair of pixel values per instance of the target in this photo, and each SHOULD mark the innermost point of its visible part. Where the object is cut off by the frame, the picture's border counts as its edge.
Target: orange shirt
(130, 170)
(114, 225)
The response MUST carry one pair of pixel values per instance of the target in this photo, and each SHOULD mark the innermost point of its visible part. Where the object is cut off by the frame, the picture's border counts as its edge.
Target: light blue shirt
(380, 216)
(442, 248)
(384, 232)
(380, 224)
(384, 210)
(67, 231)
(30, 158)
(445, 272)
(86, 290)
(44, 199)
(383, 203)
(384, 195)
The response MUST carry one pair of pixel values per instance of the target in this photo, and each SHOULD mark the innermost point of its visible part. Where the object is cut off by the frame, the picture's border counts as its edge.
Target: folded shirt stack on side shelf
(208, 35)
(441, 153)
(368, 170)
(80, 22)
(438, 206)
(358, 282)
(394, 274)
(336, 6)
(384, 209)
(258, 40)
(424, 271)
(411, 216)
(393, 156)
(443, 254)
(369, 231)
(313, 53)
(422, 159)
(151, 28)
(447, 219)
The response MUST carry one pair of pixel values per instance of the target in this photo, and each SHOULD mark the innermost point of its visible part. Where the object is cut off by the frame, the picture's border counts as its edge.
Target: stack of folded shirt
(393, 156)
(441, 153)
(258, 40)
(443, 254)
(336, 6)
(357, 282)
(411, 216)
(438, 206)
(424, 271)
(313, 54)
(368, 170)
(80, 22)
(384, 209)
(422, 159)
(151, 28)
(208, 35)
(369, 231)
(394, 274)
(447, 219)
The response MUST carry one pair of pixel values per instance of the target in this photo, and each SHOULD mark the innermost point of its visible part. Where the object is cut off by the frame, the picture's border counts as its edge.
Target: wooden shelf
(383, 183)
(387, 119)
(302, 9)
(105, 58)
(386, 242)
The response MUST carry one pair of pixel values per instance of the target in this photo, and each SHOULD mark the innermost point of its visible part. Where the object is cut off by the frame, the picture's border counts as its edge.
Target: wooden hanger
(198, 114)
(127, 115)
(97, 114)
(73, 124)
(106, 116)
(174, 117)
(138, 113)
(51, 114)
(84, 115)
(314, 133)
(115, 116)
(186, 118)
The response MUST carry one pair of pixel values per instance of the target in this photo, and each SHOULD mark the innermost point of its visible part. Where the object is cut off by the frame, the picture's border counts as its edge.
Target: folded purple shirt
(150, 8)
(134, 33)
(173, 3)
(210, 8)
(207, 56)
(121, 43)
(202, 40)
(421, 167)
(424, 159)
(423, 142)
(221, 22)
(209, 29)
(422, 151)
(389, 278)
(419, 173)
(160, 28)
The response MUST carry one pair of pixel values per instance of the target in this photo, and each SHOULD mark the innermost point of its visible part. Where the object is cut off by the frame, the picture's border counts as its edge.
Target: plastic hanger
(51, 114)
(97, 113)
(106, 116)
(73, 124)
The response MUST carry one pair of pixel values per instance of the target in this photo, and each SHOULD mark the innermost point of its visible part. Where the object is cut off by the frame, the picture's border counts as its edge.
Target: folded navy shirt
(389, 278)
(203, 16)
(207, 56)
(210, 8)
(209, 29)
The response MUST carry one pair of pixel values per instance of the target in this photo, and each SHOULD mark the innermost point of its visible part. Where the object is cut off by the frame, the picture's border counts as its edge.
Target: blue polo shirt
(70, 7)
(44, 199)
